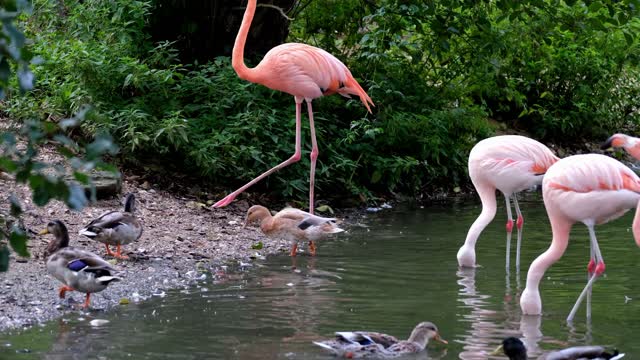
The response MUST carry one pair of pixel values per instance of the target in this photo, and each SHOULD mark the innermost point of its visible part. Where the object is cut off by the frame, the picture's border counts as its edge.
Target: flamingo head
(615, 141)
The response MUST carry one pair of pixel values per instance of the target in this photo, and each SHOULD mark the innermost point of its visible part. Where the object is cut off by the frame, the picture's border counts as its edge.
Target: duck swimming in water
(514, 349)
(365, 344)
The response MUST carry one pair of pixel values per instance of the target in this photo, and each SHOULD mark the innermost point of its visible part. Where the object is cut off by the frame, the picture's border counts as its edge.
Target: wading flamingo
(304, 71)
(629, 143)
(509, 163)
(592, 189)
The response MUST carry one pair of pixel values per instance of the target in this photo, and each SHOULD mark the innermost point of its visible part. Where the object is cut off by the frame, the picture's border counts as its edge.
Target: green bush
(436, 71)
(225, 129)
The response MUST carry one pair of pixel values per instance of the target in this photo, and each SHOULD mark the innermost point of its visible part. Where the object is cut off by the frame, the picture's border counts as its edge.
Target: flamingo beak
(438, 338)
(498, 351)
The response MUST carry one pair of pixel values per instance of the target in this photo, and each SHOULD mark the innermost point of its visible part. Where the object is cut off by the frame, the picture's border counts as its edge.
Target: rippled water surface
(396, 270)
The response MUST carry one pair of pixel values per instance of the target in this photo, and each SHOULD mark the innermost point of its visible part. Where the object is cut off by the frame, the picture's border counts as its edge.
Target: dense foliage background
(443, 75)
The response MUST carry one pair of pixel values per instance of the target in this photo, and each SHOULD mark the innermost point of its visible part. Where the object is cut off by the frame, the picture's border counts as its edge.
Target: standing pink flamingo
(629, 143)
(509, 163)
(304, 71)
(592, 189)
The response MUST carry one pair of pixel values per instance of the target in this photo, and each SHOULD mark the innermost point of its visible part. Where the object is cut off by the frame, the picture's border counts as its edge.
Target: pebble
(98, 322)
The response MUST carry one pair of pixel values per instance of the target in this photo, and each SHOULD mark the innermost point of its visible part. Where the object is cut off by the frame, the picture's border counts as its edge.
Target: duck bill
(497, 351)
(438, 338)
(43, 232)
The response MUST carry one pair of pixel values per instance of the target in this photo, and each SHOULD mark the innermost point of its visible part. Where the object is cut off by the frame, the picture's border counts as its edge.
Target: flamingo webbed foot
(224, 202)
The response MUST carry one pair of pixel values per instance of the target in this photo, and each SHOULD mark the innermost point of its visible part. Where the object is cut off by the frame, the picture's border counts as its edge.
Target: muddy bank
(182, 243)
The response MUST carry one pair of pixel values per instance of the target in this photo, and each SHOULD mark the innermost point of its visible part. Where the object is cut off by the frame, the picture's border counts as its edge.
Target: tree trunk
(205, 29)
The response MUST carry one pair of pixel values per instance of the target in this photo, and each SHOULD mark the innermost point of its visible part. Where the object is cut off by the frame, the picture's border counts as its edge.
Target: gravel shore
(182, 242)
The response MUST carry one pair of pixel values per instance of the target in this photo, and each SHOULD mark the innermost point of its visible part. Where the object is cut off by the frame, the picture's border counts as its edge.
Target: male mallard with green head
(365, 344)
(79, 270)
(293, 225)
(514, 349)
(115, 228)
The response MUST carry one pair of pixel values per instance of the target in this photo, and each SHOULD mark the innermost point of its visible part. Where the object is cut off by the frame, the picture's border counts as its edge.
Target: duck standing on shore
(293, 225)
(79, 270)
(115, 228)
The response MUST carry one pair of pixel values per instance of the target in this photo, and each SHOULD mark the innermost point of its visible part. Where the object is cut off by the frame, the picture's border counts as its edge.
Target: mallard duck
(364, 344)
(514, 349)
(115, 228)
(79, 270)
(294, 225)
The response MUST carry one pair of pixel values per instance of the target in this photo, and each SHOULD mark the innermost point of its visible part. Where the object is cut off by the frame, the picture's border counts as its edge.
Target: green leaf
(18, 241)
(16, 208)
(376, 176)
(257, 246)
(4, 258)
(324, 208)
(77, 197)
(5, 70)
(81, 177)
(628, 38)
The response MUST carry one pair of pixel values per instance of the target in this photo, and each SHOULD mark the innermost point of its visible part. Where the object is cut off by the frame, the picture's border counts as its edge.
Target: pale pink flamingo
(592, 189)
(304, 71)
(509, 163)
(629, 143)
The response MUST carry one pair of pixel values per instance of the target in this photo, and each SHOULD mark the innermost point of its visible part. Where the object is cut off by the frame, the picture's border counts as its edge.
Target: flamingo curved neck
(237, 56)
(467, 253)
(539, 266)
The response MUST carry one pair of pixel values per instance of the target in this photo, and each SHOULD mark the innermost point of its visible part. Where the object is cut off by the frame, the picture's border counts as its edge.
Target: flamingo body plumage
(304, 71)
(509, 163)
(592, 189)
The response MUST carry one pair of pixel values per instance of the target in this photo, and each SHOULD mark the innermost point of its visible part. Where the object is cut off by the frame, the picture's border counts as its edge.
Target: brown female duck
(365, 344)
(294, 225)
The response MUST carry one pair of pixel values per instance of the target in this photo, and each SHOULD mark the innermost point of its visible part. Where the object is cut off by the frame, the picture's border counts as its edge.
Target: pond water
(397, 271)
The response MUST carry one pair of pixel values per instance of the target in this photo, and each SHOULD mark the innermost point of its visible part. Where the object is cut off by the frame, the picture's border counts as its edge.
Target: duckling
(364, 344)
(514, 349)
(115, 228)
(79, 270)
(294, 225)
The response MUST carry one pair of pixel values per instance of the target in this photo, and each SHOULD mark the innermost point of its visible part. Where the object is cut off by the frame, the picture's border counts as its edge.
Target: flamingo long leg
(519, 225)
(590, 270)
(599, 269)
(509, 229)
(294, 158)
(314, 157)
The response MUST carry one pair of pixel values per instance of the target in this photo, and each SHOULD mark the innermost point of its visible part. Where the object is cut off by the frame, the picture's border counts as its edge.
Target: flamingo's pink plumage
(509, 163)
(592, 189)
(304, 71)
